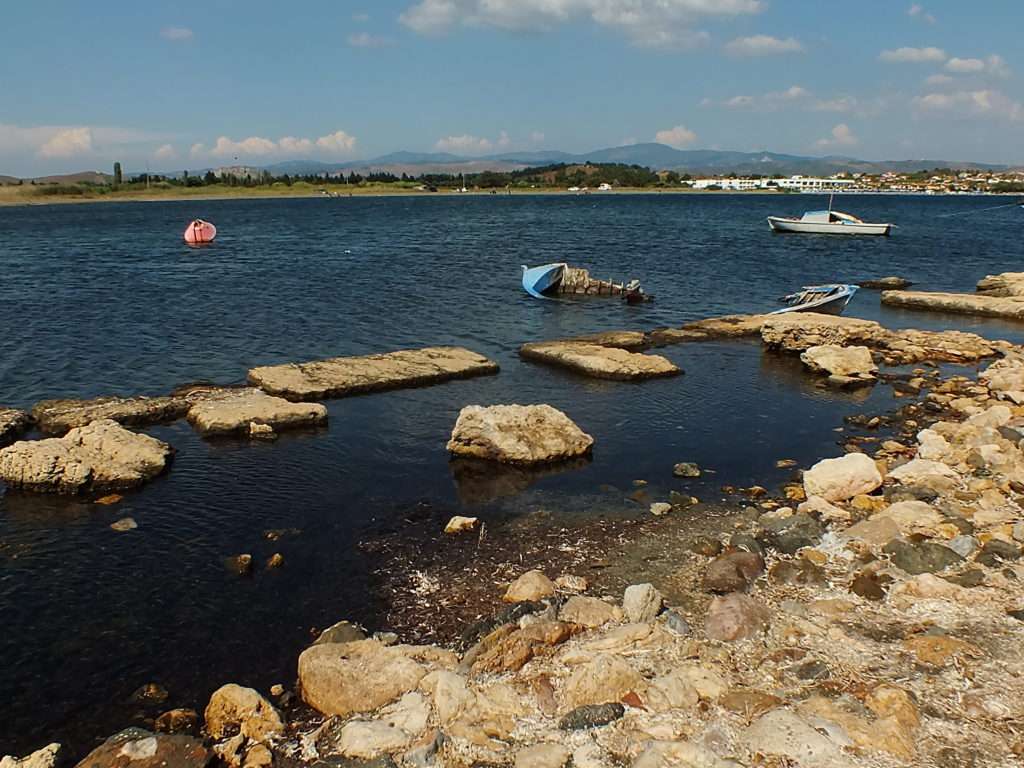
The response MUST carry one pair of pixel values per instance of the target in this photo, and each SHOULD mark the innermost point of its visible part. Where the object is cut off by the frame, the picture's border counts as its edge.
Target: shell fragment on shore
(342, 376)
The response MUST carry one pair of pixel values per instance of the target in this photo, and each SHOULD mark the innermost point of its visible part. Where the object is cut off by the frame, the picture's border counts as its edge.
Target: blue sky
(194, 84)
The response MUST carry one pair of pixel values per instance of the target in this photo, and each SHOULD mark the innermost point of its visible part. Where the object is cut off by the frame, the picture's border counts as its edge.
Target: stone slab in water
(341, 376)
(102, 456)
(518, 434)
(601, 362)
(12, 424)
(1011, 307)
(55, 417)
(233, 411)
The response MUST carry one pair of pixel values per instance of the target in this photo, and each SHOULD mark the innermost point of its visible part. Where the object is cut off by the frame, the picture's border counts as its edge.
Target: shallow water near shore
(107, 300)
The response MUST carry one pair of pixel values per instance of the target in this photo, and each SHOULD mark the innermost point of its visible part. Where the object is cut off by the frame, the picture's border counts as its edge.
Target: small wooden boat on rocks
(199, 232)
(828, 299)
(550, 280)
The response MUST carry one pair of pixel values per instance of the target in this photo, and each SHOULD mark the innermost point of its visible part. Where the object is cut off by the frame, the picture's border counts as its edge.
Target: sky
(173, 85)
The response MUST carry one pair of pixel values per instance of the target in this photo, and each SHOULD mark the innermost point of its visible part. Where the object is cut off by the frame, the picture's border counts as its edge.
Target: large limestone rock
(602, 362)
(785, 734)
(234, 709)
(12, 424)
(1004, 284)
(604, 678)
(136, 748)
(1005, 378)
(518, 434)
(99, 457)
(396, 729)
(46, 757)
(842, 478)
(341, 376)
(234, 410)
(843, 363)
(532, 585)
(961, 303)
(56, 417)
(346, 678)
(799, 331)
(589, 612)
(931, 474)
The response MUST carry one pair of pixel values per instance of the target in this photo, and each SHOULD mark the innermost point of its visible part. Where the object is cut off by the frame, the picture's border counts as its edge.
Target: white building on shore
(799, 183)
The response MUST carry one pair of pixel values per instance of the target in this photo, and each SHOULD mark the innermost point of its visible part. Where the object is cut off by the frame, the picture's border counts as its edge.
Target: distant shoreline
(7, 199)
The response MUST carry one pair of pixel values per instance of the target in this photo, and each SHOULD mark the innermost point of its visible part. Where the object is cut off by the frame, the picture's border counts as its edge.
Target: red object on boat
(199, 232)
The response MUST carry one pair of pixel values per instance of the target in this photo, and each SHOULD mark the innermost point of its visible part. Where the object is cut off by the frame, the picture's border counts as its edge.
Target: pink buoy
(199, 232)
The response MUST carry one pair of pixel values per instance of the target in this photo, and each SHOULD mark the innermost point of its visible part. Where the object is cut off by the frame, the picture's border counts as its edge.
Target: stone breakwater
(870, 616)
(996, 296)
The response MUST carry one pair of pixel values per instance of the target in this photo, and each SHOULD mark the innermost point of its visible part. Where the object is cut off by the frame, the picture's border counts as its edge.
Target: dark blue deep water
(105, 299)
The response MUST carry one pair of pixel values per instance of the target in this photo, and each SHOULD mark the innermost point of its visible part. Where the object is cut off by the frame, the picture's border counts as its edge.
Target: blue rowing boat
(544, 280)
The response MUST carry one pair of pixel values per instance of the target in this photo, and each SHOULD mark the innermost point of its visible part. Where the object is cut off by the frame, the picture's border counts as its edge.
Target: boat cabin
(829, 217)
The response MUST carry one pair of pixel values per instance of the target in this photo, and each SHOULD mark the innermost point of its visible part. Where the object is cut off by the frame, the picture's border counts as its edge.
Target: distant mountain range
(653, 156)
(697, 162)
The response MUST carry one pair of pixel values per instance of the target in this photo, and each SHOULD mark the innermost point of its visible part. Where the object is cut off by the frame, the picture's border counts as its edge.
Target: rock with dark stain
(921, 558)
(789, 534)
(592, 716)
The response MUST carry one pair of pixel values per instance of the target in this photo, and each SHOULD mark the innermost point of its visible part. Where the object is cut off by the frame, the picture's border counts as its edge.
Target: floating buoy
(199, 232)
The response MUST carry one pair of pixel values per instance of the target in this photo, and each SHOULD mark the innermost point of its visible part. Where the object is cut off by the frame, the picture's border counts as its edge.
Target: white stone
(834, 360)
(914, 472)
(518, 434)
(660, 508)
(842, 478)
(459, 524)
(42, 758)
(532, 585)
(641, 603)
(784, 733)
(543, 756)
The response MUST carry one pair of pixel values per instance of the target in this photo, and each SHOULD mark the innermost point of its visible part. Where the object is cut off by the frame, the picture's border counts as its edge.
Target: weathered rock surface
(234, 411)
(136, 748)
(589, 612)
(518, 434)
(461, 524)
(733, 572)
(726, 327)
(842, 478)
(641, 603)
(12, 424)
(341, 376)
(46, 757)
(98, 457)
(234, 709)
(345, 678)
(892, 283)
(1003, 284)
(1011, 307)
(56, 417)
(786, 735)
(604, 678)
(842, 362)
(599, 361)
(735, 617)
(532, 585)
(799, 331)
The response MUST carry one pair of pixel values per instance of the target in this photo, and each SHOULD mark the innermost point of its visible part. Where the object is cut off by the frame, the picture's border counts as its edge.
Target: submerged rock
(99, 457)
(686, 469)
(235, 411)
(341, 376)
(600, 361)
(518, 434)
(891, 283)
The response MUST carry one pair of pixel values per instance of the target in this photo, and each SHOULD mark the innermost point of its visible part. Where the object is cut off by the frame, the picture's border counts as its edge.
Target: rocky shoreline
(870, 613)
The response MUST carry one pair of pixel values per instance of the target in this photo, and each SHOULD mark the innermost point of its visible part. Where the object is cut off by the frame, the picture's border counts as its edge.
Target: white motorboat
(828, 299)
(827, 223)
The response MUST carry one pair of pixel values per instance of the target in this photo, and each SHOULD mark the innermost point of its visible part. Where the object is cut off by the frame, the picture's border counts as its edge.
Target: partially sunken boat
(828, 299)
(550, 280)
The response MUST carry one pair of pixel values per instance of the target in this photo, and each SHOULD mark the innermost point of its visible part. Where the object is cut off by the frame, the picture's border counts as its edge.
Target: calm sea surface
(105, 299)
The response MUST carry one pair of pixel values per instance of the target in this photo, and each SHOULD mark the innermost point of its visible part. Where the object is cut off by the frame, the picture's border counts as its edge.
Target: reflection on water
(106, 299)
(478, 481)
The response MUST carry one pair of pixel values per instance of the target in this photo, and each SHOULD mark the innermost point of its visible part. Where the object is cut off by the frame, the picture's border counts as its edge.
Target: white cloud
(464, 144)
(337, 143)
(914, 55)
(69, 142)
(996, 65)
(537, 137)
(176, 34)
(366, 40)
(503, 139)
(649, 23)
(165, 152)
(739, 102)
(841, 136)
(762, 45)
(770, 101)
(678, 137)
(917, 11)
(939, 79)
(793, 93)
(840, 104)
(965, 66)
(980, 103)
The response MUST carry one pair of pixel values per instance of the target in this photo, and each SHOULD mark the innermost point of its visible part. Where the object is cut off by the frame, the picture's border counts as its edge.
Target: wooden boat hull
(780, 224)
